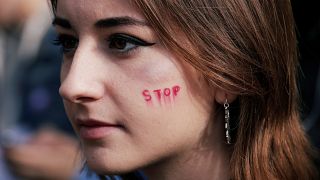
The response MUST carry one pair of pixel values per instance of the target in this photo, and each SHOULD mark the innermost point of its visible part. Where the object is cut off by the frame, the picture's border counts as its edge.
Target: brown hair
(247, 48)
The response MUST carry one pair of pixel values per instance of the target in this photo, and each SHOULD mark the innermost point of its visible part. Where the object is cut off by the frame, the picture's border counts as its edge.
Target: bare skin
(49, 154)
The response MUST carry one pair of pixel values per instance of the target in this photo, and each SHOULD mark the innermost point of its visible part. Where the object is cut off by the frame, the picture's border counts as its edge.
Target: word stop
(160, 93)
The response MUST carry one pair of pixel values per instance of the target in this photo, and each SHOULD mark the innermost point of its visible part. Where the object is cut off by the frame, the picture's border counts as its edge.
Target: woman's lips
(93, 130)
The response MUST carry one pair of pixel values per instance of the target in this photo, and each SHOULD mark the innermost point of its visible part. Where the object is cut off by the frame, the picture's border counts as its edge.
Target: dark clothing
(41, 102)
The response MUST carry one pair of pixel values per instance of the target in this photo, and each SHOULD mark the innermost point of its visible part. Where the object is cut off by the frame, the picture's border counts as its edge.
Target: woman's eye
(122, 43)
(68, 43)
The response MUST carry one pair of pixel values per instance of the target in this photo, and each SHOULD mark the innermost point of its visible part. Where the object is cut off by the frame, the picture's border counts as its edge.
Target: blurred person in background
(35, 143)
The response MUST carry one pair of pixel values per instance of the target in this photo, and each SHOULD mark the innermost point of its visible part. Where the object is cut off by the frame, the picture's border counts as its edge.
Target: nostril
(83, 99)
(80, 90)
(80, 94)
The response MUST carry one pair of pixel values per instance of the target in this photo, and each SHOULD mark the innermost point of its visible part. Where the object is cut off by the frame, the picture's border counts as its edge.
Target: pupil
(120, 44)
(69, 44)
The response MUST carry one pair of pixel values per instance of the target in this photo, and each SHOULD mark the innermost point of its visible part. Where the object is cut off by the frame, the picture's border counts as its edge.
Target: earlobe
(222, 95)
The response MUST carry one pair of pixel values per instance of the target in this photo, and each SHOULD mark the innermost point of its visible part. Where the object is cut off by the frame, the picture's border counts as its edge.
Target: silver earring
(227, 121)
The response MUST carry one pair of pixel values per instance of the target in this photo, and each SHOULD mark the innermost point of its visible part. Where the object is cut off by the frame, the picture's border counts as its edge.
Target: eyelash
(118, 44)
(64, 41)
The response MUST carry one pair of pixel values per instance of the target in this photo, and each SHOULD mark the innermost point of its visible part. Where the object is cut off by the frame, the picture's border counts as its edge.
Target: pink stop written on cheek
(165, 95)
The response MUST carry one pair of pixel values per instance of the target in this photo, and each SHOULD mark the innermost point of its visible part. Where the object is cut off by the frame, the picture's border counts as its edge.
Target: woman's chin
(104, 169)
(108, 167)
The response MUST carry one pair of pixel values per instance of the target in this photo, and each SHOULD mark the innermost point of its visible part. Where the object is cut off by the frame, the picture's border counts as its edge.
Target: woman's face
(131, 102)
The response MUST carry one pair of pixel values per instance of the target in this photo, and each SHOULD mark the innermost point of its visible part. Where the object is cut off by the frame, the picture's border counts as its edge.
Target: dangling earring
(227, 121)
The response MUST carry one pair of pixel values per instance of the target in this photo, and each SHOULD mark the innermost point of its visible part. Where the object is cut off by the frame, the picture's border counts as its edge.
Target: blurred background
(36, 139)
(307, 17)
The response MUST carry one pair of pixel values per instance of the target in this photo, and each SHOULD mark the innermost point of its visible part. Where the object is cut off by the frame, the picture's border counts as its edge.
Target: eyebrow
(61, 22)
(104, 23)
(119, 21)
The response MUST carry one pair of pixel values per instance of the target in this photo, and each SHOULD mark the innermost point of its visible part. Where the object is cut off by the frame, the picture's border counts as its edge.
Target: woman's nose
(80, 81)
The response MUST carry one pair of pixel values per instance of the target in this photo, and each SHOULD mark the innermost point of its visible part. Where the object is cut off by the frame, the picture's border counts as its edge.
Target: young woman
(180, 89)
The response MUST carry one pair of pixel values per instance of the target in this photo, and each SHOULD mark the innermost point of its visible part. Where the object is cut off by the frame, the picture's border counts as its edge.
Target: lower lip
(96, 132)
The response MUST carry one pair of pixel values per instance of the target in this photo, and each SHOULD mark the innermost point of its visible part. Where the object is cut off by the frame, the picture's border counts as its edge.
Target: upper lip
(93, 123)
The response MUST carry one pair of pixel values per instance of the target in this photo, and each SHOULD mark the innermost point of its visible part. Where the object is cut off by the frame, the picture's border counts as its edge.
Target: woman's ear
(222, 95)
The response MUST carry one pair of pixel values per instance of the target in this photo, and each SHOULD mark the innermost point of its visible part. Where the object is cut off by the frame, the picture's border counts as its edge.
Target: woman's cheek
(161, 82)
(161, 96)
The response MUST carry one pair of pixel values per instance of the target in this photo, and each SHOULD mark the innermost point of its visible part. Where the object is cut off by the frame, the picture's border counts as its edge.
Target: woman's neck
(209, 161)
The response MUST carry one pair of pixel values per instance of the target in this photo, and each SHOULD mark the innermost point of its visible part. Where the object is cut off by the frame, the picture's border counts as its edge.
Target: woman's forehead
(83, 12)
